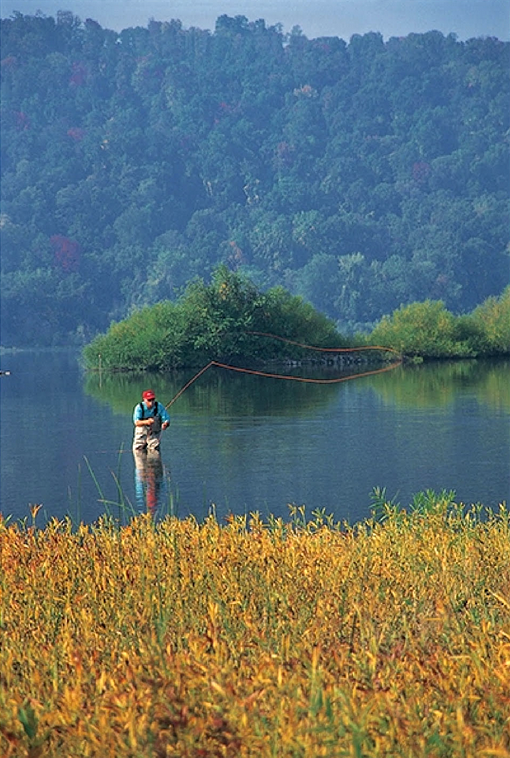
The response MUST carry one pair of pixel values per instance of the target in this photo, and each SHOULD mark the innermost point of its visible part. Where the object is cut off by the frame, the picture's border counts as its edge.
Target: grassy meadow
(258, 638)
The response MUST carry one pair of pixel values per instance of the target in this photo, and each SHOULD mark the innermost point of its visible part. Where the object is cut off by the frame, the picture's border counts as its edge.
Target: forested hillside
(361, 175)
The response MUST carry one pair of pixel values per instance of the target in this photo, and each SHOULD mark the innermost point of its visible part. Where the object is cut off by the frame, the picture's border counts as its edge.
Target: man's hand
(165, 424)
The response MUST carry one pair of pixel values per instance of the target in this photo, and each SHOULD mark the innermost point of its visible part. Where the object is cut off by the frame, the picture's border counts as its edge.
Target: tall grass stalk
(258, 638)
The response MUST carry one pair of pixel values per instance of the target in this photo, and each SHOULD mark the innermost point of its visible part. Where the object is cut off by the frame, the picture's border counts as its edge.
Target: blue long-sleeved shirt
(156, 408)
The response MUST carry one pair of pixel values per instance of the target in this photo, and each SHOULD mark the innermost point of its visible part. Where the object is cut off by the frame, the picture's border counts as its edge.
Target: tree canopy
(360, 175)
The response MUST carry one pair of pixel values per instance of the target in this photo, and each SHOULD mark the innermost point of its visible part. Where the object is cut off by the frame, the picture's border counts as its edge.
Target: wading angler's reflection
(150, 481)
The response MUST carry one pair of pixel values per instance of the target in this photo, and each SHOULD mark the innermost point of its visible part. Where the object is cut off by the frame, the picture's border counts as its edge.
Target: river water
(239, 443)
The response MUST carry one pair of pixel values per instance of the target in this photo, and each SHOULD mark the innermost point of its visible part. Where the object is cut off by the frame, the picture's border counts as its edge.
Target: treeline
(232, 320)
(362, 176)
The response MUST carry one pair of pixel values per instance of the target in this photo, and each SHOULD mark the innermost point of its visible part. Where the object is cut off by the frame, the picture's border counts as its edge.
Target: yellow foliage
(254, 639)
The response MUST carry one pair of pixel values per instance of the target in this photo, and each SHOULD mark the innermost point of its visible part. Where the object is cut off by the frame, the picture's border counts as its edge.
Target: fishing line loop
(286, 377)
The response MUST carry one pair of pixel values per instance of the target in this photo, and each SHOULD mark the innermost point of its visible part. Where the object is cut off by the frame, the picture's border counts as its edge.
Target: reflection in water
(438, 384)
(219, 392)
(150, 482)
(432, 385)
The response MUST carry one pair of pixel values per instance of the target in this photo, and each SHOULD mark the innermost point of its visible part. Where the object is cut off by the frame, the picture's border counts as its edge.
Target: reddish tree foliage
(66, 251)
(76, 133)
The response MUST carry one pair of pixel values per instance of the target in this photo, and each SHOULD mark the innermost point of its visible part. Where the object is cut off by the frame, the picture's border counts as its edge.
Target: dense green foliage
(429, 330)
(231, 318)
(212, 322)
(362, 176)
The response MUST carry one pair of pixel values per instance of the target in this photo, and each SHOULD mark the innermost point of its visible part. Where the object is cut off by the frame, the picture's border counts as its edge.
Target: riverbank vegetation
(360, 174)
(230, 319)
(429, 330)
(259, 639)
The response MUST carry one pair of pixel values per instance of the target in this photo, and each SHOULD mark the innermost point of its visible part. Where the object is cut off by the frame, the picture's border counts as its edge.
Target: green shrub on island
(490, 325)
(429, 330)
(214, 321)
(421, 329)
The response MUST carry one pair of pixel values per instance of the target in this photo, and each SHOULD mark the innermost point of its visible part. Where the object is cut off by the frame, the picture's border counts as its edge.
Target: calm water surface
(240, 443)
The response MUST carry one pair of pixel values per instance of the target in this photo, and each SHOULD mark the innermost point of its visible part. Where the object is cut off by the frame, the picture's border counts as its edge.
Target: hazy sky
(317, 18)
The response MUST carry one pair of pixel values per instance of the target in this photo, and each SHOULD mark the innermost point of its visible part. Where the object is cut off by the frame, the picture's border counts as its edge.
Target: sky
(317, 18)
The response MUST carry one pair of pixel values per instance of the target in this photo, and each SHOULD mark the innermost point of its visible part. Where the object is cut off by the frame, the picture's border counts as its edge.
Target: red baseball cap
(148, 395)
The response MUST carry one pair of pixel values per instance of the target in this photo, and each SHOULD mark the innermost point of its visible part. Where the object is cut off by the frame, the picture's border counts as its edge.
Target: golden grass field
(252, 638)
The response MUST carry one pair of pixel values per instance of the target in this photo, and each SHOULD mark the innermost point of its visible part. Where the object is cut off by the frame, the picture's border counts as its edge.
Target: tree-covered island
(228, 319)
(231, 319)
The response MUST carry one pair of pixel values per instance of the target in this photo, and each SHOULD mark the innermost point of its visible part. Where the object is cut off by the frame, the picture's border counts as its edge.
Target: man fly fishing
(150, 418)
